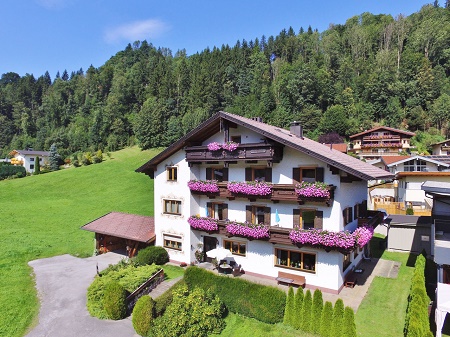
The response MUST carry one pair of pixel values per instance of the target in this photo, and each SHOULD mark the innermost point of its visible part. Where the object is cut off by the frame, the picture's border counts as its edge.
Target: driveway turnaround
(62, 283)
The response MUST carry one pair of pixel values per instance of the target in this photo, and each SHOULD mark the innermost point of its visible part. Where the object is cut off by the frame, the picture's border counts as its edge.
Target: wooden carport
(117, 231)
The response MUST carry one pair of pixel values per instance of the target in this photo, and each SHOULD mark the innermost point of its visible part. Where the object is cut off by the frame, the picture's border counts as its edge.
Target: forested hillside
(372, 70)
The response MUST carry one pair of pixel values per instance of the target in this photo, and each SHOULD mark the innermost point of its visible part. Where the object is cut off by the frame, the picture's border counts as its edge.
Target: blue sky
(53, 35)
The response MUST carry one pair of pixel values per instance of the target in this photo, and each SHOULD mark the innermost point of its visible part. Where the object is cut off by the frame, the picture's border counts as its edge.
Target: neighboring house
(222, 215)
(441, 148)
(26, 158)
(380, 141)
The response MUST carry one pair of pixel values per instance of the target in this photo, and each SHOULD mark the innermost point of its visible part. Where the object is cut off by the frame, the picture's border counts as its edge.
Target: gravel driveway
(62, 283)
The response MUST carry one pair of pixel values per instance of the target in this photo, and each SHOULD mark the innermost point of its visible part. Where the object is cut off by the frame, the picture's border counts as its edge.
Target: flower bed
(206, 186)
(343, 240)
(247, 230)
(312, 190)
(250, 187)
(203, 223)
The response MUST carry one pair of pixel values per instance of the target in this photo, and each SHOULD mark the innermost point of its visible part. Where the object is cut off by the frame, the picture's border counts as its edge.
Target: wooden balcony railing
(370, 138)
(280, 192)
(251, 151)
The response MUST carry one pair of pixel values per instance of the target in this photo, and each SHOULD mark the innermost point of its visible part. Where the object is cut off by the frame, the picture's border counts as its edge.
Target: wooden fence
(400, 209)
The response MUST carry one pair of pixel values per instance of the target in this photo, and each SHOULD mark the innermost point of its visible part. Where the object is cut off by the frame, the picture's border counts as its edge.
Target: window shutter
(344, 215)
(268, 177)
(350, 214)
(296, 174)
(267, 216)
(296, 218)
(225, 211)
(318, 220)
(319, 174)
(356, 211)
(248, 174)
(208, 173)
(225, 174)
(209, 209)
(363, 210)
(248, 214)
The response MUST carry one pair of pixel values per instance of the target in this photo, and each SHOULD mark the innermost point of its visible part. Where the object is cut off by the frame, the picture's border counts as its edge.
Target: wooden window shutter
(209, 209)
(296, 174)
(363, 210)
(350, 214)
(208, 173)
(344, 215)
(248, 174)
(319, 174)
(356, 211)
(318, 220)
(296, 218)
(225, 211)
(248, 214)
(267, 216)
(268, 177)
(225, 174)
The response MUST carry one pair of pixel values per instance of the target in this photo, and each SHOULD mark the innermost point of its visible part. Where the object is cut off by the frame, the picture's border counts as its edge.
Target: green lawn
(41, 217)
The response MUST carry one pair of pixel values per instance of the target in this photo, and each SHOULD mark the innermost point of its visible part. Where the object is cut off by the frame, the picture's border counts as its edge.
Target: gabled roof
(387, 160)
(128, 226)
(440, 158)
(443, 142)
(406, 133)
(305, 145)
(425, 158)
(30, 153)
(436, 187)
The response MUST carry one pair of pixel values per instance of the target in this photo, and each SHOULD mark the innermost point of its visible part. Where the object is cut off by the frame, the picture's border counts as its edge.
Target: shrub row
(150, 255)
(417, 322)
(253, 300)
(12, 171)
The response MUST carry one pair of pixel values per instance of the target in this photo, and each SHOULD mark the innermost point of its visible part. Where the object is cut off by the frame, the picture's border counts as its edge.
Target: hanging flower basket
(247, 230)
(312, 190)
(343, 241)
(206, 186)
(203, 223)
(250, 187)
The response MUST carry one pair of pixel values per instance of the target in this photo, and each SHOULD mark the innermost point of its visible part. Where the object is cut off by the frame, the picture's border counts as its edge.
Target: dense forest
(372, 70)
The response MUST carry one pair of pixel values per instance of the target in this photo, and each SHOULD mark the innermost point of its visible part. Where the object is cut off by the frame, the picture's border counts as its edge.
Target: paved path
(62, 283)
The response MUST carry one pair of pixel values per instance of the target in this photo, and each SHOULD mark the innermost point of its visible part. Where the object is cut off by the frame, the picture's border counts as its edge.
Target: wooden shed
(121, 231)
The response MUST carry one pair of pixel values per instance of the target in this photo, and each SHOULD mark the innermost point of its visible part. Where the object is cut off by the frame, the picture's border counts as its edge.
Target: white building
(279, 157)
(26, 158)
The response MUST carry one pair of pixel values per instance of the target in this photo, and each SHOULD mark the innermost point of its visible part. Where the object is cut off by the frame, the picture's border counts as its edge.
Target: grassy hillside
(41, 217)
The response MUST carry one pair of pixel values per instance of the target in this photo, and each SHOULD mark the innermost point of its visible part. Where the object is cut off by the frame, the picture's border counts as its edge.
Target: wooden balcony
(251, 151)
(374, 138)
(280, 192)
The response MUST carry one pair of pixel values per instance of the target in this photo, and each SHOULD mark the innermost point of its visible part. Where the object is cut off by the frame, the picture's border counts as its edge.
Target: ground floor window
(295, 259)
(236, 247)
(172, 241)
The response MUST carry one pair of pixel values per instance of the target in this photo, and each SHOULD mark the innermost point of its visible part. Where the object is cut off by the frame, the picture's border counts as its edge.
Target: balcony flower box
(250, 188)
(205, 186)
(247, 230)
(343, 241)
(206, 224)
(312, 190)
(214, 146)
(230, 146)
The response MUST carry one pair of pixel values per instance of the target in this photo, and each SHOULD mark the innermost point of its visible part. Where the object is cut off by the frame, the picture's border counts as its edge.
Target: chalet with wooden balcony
(381, 141)
(276, 199)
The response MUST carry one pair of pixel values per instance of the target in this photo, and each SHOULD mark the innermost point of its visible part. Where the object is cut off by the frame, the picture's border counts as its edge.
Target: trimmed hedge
(263, 303)
(152, 254)
(11, 170)
(114, 301)
(143, 313)
(163, 301)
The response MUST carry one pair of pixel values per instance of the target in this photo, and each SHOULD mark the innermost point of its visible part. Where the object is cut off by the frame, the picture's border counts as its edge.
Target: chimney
(296, 129)
(257, 119)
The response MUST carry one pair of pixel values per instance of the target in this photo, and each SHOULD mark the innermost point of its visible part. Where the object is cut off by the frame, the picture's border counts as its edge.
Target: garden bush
(7, 171)
(163, 301)
(349, 326)
(114, 301)
(289, 314)
(409, 211)
(263, 303)
(306, 312)
(317, 308)
(326, 319)
(152, 254)
(143, 314)
(298, 308)
(338, 318)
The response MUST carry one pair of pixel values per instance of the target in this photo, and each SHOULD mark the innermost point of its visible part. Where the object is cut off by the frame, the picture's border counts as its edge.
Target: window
(308, 174)
(31, 159)
(171, 173)
(348, 215)
(217, 210)
(172, 241)
(172, 207)
(236, 139)
(236, 247)
(258, 214)
(307, 218)
(346, 262)
(258, 174)
(415, 165)
(295, 260)
(31, 167)
(217, 173)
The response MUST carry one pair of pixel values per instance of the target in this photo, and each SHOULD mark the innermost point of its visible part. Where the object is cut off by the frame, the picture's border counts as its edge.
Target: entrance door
(209, 242)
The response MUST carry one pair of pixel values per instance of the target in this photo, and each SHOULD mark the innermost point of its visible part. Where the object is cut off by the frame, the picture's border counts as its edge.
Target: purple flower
(230, 146)
(207, 186)
(250, 187)
(312, 190)
(250, 231)
(203, 223)
(214, 146)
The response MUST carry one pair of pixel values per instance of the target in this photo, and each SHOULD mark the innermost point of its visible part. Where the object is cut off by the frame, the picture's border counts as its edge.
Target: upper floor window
(258, 174)
(172, 207)
(171, 173)
(307, 218)
(217, 210)
(236, 139)
(217, 173)
(258, 214)
(415, 165)
(31, 159)
(308, 174)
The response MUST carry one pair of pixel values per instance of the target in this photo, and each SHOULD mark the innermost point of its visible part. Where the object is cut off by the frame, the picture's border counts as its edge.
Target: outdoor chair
(237, 270)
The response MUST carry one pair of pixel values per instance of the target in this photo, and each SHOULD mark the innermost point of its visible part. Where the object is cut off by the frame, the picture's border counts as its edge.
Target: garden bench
(350, 279)
(291, 279)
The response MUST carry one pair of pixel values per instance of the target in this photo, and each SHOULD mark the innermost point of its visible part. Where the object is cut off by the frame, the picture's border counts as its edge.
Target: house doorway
(209, 242)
